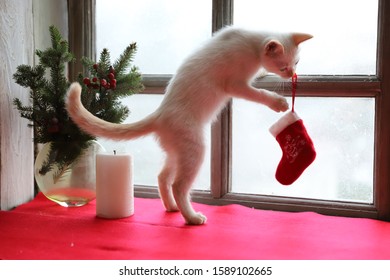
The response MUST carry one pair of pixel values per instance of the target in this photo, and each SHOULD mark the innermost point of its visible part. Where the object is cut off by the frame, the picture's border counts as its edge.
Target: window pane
(148, 157)
(345, 31)
(343, 135)
(166, 31)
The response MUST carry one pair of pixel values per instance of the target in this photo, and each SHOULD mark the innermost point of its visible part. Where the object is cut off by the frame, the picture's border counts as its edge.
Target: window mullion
(81, 33)
(221, 129)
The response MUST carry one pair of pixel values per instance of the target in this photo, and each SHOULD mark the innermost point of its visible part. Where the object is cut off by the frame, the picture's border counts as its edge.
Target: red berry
(111, 76)
(103, 82)
(86, 81)
(94, 79)
(107, 86)
(113, 83)
(54, 128)
(95, 66)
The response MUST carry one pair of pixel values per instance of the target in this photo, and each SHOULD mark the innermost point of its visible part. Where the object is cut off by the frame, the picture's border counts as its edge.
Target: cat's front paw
(279, 104)
(197, 219)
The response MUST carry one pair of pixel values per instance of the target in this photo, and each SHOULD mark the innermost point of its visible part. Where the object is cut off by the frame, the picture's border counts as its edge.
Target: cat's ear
(274, 47)
(300, 37)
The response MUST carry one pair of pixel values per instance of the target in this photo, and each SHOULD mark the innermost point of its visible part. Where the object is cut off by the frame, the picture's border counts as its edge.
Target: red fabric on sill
(41, 229)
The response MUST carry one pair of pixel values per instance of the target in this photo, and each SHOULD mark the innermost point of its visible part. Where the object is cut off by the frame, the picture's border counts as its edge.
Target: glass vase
(72, 185)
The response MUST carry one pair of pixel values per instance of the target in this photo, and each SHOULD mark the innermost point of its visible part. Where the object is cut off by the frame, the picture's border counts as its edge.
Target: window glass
(166, 31)
(345, 31)
(342, 130)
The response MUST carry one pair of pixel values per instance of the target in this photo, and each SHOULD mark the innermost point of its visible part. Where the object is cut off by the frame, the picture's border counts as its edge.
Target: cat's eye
(283, 69)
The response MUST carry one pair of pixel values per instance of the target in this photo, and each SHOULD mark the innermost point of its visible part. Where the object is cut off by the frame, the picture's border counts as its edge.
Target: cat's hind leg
(165, 180)
(189, 161)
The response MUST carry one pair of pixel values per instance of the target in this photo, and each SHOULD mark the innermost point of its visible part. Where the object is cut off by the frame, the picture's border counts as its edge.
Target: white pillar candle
(114, 186)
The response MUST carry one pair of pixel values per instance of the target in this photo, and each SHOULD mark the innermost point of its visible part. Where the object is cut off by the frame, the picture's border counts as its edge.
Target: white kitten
(223, 68)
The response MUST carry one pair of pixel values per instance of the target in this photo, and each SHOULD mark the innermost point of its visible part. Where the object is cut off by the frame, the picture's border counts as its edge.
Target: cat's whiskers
(279, 86)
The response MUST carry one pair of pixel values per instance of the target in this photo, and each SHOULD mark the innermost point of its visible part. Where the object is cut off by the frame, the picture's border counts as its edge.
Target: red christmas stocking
(297, 146)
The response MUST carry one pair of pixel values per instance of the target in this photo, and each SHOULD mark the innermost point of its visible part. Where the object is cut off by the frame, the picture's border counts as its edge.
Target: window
(341, 98)
(342, 127)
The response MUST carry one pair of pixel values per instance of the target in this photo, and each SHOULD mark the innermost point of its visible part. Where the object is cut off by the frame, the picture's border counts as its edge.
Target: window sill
(286, 204)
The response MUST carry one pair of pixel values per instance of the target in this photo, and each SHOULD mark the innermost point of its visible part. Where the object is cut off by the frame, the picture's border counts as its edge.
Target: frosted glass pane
(166, 31)
(148, 158)
(345, 31)
(342, 130)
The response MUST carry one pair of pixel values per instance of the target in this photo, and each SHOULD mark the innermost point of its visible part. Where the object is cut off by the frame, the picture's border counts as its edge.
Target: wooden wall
(23, 27)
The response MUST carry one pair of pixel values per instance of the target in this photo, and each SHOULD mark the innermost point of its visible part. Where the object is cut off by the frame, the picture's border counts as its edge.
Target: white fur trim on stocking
(283, 122)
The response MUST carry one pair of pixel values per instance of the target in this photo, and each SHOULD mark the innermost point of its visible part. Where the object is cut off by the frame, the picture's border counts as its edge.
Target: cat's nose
(290, 72)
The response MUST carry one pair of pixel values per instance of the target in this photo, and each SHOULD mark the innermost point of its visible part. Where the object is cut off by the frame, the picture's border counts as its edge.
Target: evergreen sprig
(100, 95)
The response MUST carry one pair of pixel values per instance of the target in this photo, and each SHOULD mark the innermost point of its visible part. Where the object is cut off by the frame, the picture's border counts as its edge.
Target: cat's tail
(100, 128)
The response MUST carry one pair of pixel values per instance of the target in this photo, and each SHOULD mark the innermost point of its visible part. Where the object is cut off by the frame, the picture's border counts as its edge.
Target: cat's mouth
(288, 73)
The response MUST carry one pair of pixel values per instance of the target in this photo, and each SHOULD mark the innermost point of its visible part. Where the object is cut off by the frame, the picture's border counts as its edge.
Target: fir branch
(104, 62)
(32, 77)
(125, 59)
(55, 36)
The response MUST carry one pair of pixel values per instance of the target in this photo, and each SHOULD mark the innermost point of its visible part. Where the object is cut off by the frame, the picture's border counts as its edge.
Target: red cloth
(42, 229)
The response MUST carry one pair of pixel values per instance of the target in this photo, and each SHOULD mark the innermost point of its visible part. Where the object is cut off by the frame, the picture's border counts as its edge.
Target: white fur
(205, 82)
(283, 122)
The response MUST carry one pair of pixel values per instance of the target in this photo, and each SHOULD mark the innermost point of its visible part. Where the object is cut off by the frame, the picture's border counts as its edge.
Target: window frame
(373, 86)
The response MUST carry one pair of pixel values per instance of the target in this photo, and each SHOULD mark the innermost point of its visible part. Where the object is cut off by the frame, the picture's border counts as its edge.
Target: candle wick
(114, 152)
